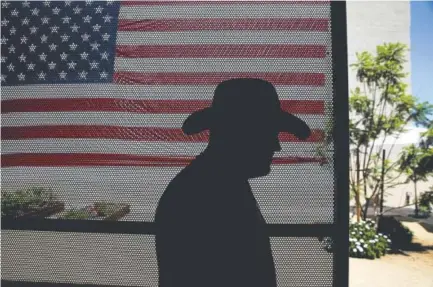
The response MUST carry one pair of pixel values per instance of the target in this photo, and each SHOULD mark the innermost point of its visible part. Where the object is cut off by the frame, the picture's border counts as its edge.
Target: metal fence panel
(93, 98)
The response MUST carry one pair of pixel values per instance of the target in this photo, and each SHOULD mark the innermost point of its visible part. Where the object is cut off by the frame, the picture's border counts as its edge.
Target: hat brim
(202, 120)
(198, 121)
(294, 125)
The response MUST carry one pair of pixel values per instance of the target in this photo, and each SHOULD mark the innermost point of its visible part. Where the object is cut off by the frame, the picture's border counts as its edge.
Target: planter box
(48, 209)
(119, 210)
(97, 211)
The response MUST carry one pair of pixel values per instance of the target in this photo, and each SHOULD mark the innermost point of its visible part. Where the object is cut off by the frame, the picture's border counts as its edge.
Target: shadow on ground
(414, 247)
(427, 227)
(406, 238)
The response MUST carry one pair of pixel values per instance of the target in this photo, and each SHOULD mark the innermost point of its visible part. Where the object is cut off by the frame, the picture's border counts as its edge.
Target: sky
(422, 49)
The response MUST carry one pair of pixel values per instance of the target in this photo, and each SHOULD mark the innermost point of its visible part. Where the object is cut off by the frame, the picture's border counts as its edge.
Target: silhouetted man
(210, 231)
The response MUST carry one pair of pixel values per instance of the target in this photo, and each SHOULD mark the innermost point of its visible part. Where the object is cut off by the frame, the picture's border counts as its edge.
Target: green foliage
(75, 213)
(98, 209)
(105, 208)
(410, 162)
(427, 143)
(81, 213)
(401, 235)
(381, 107)
(18, 202)
(365, 242)
(426, 202)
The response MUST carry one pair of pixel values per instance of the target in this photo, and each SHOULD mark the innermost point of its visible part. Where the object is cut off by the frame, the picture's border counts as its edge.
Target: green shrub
(425, 203)
(401, 236)
(98, 209)
(105, 208)
(76, 214)
(424, 211)
(365, 242)
(14, 203)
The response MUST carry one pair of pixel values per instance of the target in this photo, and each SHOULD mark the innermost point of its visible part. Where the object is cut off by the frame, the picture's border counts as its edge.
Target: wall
(372, 23)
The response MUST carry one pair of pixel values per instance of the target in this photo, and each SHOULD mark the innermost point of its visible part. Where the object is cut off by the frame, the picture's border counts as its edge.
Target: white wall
(372, 23)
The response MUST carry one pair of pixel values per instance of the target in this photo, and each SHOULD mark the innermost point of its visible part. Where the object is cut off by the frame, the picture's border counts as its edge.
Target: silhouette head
(244, 121)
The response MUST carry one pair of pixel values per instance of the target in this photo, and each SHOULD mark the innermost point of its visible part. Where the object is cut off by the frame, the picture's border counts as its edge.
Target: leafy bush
(365, 242)
(105, 208)
(424, 211)
(400, 234)
(426, 202)
(76, 214)
(21, 201)
(98, 209)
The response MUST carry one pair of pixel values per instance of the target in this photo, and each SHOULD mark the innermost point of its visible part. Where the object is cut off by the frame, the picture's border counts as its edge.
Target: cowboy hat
(245, 101)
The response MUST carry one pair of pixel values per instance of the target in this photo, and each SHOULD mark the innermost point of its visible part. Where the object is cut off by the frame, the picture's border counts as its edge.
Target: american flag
(108, 84)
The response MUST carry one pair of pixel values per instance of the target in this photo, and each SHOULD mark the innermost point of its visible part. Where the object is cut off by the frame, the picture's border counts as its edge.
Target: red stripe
(91, 159)
(135, 78)
(205, 24)
(225, 51)
(163, 2)
(125, 133)
(137, 106)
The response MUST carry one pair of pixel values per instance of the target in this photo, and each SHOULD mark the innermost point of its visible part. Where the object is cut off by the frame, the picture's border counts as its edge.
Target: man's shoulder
(197, 174)
(186, 197)
(188, 183)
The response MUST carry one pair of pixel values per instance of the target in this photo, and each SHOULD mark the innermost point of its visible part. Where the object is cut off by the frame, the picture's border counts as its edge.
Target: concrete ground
(413, 268)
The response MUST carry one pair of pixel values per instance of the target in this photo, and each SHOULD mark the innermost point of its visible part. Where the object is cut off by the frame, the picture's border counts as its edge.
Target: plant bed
(30, 203)
(97, 211)
(421, 215)
(366, 242)
(401, 235)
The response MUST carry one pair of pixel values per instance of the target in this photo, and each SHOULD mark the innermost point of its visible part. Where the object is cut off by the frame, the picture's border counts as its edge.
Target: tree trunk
(365, 209)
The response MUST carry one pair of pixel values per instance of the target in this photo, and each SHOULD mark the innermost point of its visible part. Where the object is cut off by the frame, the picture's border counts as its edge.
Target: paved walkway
(412, 269)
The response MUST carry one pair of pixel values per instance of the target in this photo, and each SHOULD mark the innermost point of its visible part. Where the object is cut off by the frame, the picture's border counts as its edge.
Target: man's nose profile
(209, 228)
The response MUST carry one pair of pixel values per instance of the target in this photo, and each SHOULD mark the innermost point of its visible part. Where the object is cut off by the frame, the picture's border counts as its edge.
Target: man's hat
(245, 102)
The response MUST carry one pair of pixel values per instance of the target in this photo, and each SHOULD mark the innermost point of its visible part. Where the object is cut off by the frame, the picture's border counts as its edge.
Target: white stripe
(168, 92)
(223, 37)
(240, 10)
(236, 65)
(117, 119)
(94, 118)
(132, 147)
(151, 179)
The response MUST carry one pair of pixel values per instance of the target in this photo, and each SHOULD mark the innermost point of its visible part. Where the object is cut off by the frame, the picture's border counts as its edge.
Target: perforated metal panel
(103, 124)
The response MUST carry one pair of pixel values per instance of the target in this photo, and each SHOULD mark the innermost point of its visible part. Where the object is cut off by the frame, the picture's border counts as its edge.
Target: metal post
(416, 196)
(341, 142)
(358, 189)
(382, 183)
